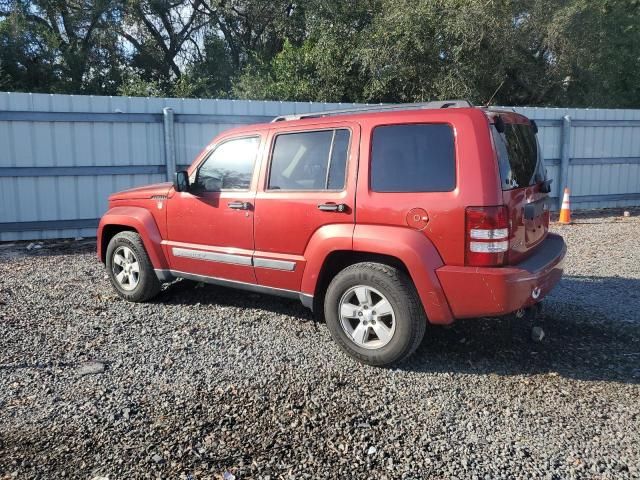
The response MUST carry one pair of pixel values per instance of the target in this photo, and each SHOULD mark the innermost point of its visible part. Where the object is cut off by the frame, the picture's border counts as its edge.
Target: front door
(210, 227)
(308, 183)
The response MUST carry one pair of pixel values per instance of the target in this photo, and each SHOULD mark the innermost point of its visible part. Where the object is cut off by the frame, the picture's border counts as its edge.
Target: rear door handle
(239, 205)
(332, 207)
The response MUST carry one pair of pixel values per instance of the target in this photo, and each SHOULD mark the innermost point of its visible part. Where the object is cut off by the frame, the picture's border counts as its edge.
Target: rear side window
(519, 157)
(309, 160)
(413, 158)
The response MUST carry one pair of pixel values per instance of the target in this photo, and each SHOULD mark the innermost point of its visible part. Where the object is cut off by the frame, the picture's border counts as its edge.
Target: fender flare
(140, 220)
(324, 241)
(411, 247)
(420, 257)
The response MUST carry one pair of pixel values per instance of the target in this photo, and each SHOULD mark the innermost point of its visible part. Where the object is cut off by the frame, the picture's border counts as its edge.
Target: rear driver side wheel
(373, 312)
(129, 268)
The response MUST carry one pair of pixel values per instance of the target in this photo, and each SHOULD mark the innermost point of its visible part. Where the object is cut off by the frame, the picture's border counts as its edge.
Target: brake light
(487, 236)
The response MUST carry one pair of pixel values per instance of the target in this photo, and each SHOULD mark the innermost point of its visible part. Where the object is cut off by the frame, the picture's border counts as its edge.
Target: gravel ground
(207, 382)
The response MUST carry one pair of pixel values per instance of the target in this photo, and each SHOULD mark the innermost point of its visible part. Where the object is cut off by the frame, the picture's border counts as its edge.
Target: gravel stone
(204, 382)
(91, 368)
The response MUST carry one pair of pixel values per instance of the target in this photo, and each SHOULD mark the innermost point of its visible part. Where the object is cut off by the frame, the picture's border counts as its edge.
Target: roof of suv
(372, 111)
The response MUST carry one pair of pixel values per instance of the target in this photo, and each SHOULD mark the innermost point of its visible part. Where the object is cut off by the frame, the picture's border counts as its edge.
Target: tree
(323, 66)
(595, 47)
(255, 29)
(163, 35)
(546, 52)
(512, 52)
(54, 45)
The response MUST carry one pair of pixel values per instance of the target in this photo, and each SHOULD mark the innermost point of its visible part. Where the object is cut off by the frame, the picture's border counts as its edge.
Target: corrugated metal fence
(62, 155)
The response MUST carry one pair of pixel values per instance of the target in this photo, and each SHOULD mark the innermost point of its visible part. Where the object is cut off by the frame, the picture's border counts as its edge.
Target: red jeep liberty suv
(380, 218)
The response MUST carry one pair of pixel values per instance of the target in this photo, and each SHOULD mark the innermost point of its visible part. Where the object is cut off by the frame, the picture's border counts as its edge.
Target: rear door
(522, 176)
(308, 182)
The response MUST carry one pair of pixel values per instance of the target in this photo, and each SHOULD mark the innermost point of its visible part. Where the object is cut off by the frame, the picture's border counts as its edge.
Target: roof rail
(378, 108)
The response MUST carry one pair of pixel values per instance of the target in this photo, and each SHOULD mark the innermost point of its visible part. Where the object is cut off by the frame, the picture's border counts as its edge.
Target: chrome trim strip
(211, 256)
(275, 264)
(252, 287)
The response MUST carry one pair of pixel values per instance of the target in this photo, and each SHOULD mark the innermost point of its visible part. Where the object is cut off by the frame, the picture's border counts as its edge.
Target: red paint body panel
(478, 291)
(143, 222)
(419, 256)
(286, 229)
(286, 221)
(205, 222)
(477, 184)
(328, 239)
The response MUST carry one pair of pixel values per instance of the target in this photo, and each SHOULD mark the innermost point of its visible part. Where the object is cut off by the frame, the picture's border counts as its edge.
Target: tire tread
(150, 284)
(405, 288)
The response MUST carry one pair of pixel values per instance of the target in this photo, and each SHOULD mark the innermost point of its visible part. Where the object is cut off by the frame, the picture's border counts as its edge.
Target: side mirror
(181, 181)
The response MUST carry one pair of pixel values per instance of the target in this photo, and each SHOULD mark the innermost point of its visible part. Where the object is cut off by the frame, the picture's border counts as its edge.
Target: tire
(141, 287)
(405, 325)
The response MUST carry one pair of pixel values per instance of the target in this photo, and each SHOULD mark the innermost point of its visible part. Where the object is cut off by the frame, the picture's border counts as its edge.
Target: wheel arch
(136, 219)
(406, 249)
(108, 232)
(338, 260)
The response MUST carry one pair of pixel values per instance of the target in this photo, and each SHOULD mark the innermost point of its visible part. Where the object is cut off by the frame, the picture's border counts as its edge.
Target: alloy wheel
(367, 317)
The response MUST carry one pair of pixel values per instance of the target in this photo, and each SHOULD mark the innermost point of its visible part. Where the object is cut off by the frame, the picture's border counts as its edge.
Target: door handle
(332, 207)
(239, 205)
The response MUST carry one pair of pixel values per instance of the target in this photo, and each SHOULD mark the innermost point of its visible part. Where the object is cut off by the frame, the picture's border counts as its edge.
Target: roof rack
(378, 108)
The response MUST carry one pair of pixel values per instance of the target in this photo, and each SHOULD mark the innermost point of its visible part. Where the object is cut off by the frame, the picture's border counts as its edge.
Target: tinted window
(309, 160)
(338, 165)
(519, 157)
(413, 158)
(230, 166)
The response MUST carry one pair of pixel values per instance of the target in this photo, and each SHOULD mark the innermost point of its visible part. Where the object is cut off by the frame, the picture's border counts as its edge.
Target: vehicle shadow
(189, 292)
(591, 325)
(581, 341)
(584, 340)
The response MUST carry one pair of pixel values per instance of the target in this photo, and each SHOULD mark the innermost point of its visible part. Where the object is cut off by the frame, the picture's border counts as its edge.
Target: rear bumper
(480, 292)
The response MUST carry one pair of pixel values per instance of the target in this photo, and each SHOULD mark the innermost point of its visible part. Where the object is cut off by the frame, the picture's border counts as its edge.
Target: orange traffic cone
(565, 210)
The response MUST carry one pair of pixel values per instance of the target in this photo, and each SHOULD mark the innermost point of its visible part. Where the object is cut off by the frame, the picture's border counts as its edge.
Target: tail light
(487, 236)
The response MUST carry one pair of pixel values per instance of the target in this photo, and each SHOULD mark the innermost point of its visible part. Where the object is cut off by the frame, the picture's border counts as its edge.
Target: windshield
(519, 156)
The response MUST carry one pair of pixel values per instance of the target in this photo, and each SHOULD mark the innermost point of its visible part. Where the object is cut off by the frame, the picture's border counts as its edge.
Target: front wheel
(373, 312)
(129, 268)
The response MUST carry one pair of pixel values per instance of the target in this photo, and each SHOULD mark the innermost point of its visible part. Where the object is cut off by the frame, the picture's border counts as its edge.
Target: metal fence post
(565, 154)
(169, 142)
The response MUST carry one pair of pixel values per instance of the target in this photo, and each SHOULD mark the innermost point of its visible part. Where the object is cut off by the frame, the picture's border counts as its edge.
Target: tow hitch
(533, 316)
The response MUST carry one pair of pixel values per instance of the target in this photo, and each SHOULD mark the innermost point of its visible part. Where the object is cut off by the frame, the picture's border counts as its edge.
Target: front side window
(413, 158)
(229, 167)
(309, 160)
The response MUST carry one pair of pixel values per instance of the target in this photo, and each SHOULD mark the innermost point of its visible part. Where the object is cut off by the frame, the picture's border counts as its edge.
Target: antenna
(494, 94)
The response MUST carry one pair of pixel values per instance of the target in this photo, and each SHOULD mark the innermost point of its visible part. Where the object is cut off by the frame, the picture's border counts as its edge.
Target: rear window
(413, 158)
(519, 156)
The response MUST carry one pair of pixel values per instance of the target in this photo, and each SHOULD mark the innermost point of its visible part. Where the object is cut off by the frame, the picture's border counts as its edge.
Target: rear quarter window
(413, 158)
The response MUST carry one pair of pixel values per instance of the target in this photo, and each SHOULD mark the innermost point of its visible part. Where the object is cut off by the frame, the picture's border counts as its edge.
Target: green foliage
(48, 45)
(512, 52)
